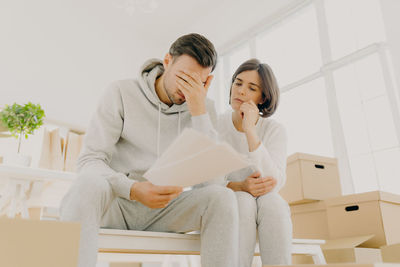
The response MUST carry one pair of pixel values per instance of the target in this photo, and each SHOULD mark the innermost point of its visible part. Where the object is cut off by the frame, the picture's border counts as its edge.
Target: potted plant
(21, 121)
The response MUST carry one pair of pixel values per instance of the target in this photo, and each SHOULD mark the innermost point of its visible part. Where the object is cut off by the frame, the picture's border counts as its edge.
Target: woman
(254, 97)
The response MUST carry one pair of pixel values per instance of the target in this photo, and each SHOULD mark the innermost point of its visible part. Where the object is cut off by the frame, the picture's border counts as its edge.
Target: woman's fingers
(265, 180)
(262, 191)
(249, 107)
(262, 186)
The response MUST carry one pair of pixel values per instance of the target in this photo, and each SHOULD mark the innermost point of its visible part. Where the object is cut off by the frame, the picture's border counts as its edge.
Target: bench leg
(166, 261)
(256, 261)
(182, 261)
(194, 261)
(318, 256)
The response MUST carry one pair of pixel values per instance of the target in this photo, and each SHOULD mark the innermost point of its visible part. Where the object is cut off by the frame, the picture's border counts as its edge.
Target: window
(230, 64)
(237, 57)
(291, 48)
(304, 113)
(353, 24)
(352, 72)
(367, 121)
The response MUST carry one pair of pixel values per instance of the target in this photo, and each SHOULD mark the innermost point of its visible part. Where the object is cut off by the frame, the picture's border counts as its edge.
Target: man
(135, 122)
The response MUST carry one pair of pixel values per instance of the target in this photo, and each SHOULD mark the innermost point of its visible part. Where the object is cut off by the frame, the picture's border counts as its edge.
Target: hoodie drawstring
(179, 123)
(158, 130)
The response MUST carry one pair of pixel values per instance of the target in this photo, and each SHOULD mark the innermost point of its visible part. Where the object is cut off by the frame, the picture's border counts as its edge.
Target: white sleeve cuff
(121, 185)
(203, 124)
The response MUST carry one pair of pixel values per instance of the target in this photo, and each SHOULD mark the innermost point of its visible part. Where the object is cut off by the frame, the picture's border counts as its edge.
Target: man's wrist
(198, 111)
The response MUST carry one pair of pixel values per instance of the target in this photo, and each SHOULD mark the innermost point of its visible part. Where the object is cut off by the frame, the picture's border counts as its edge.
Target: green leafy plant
(22, 120)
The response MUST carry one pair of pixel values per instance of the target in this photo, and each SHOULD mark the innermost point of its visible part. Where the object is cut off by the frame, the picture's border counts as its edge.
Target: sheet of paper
(194, 158)
(188, 142)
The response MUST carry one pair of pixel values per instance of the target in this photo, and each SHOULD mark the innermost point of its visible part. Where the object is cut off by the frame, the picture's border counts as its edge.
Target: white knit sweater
(269, 158)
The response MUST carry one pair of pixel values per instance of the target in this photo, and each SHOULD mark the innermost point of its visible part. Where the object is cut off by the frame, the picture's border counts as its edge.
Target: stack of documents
(194, 158)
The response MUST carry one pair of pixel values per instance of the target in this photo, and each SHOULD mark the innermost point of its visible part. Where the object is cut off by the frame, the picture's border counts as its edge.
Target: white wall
(62, 54)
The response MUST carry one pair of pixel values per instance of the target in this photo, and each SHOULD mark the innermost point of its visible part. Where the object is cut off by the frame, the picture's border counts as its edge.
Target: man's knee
(87, 191)
(221, 199)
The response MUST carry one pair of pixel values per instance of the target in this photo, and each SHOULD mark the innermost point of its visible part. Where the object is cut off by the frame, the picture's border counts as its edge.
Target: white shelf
(34, 174)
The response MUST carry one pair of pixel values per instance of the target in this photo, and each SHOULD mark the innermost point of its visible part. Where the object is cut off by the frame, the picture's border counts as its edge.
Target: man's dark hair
(196, 46)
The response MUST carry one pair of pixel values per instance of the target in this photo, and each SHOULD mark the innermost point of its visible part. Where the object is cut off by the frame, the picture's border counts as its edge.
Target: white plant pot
(18, 160)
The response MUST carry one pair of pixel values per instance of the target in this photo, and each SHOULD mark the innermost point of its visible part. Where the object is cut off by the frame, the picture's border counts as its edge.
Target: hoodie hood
(149, 72)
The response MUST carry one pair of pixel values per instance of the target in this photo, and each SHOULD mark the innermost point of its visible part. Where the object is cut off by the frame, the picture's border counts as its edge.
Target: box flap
(310, 157)
(348, 242)
(363, 197)
(389, 197)
(317, 205)
(392, 246)
(391, 253)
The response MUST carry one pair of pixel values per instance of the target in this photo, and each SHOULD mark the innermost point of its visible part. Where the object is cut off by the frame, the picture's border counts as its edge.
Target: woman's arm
(235, 186)
(253, 140)
(270, 156)
(267, 152)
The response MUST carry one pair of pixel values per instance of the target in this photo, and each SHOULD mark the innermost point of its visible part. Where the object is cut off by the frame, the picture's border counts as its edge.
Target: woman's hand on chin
(250, 115)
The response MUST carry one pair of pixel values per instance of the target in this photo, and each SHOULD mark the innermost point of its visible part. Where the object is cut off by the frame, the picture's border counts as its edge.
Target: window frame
(329, 65)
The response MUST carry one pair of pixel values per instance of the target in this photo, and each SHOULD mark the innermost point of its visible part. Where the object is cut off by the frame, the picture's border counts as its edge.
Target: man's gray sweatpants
(211, 209)
(270, 215)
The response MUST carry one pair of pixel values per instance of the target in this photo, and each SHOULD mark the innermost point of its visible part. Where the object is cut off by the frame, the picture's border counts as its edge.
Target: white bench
(124, 245)
(118, 244)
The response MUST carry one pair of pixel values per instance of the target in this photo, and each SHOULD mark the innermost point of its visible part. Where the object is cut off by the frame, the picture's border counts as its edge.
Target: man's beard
(171, 96)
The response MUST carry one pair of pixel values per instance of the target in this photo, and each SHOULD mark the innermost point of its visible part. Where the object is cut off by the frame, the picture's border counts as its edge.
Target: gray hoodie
(132, 127)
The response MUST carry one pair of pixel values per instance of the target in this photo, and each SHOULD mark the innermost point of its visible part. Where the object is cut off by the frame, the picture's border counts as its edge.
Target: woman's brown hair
(269, 85)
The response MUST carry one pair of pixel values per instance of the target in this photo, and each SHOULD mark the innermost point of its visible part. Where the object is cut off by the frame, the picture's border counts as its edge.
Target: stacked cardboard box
(376, 213)
(391, 253)
(310, 178)
(355, 226)
(38, 243)
(373, 213)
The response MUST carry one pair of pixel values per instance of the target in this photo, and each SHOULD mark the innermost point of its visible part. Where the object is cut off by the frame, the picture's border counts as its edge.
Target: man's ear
(167, 60)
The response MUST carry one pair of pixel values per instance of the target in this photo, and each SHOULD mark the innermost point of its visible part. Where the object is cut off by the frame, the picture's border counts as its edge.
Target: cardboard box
(373, 213)
(310, 178)
(344, 250)
(379, 264)
(301, 259)
(38, 243)
(310, 220)
(347, 250)
(391, 253)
